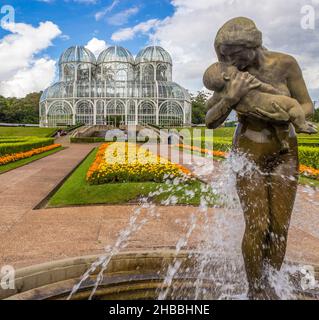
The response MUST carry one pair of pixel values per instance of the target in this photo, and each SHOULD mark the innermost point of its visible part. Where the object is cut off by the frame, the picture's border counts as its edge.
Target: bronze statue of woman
(268, 193)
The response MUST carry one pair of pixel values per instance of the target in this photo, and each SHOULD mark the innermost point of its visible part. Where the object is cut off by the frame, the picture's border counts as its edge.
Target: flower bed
(124, 162)
(309, 172)
(22, 155)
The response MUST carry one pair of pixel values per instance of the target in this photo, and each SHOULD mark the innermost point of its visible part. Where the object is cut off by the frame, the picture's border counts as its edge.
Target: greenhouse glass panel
(171, 114)
(147, 113)
(84, 113)
(59, 113)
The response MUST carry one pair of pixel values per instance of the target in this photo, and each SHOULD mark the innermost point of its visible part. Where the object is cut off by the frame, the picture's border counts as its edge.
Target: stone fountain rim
(45, 274)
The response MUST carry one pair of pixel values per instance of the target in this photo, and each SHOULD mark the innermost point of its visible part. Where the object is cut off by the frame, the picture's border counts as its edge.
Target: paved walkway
(30, 236)
(23, 188)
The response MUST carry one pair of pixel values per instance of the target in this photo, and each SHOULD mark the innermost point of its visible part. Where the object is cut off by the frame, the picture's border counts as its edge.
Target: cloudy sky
(30, 47)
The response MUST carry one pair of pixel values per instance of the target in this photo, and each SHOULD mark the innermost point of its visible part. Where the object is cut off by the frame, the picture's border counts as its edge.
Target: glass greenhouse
(115, 89)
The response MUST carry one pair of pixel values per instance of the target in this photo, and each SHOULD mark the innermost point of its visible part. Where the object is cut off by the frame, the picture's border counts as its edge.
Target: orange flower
(99, 158)
(309, 171)
(27, 154)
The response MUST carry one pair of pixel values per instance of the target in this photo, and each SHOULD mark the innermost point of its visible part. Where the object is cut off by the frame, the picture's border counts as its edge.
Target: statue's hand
(279, 115)
(239, 85)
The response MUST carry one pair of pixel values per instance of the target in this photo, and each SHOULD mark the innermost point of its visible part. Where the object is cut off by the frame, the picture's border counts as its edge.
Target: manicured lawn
(76, 191)
(22, 162)
(27, 131)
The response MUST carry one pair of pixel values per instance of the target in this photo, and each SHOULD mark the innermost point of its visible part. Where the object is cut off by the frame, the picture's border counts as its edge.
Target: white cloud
(129, 33)
(100, 14)
(189, 34)
(65, 37)
(19, 62)
(122, 17)
(96, 46)
(34, 78)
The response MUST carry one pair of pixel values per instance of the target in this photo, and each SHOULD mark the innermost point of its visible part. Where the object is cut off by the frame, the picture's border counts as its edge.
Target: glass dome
(153, 54)
(60, 90)
(115, 54)
(172, 90)
(77, 54)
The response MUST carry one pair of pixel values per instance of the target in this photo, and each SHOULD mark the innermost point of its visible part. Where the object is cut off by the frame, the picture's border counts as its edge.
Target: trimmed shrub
(18, 144)
(87, 140)
(308, 153)
(309, 156)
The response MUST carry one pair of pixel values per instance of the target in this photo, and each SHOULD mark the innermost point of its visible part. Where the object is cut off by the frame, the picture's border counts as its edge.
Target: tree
(199, 107)
(316, 115)
(24, 110)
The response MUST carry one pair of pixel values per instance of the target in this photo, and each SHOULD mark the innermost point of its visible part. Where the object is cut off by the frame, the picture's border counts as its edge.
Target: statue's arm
(296, 85)
(219, 109)
(268, 88)
(220, 105)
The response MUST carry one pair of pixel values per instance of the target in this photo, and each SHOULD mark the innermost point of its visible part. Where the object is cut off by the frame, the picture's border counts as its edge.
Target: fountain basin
(130, 275)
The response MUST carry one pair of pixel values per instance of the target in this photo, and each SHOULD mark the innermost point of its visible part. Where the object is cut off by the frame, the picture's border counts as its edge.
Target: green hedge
(18, 144)
(87, 140)
(311, 142)
(220, 144)
(309, 156)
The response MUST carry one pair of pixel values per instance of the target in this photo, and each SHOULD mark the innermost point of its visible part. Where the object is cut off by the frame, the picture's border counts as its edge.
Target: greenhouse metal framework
(115, 89)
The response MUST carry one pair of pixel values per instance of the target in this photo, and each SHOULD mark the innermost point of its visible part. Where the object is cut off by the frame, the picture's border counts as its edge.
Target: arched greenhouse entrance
(84, 112)
(147, 113)
(171, 114)
(115, 113)
(60, 114)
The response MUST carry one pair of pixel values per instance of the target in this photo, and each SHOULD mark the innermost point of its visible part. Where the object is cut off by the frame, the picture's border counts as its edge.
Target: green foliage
(220, 144)
(308, 142)
(309, 156)
(24, 110)
(316, 115)
(11, 145)
(199, 107)
(87, 140)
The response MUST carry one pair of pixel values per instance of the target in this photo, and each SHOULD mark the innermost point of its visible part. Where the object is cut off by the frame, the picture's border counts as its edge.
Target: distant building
(115, 89)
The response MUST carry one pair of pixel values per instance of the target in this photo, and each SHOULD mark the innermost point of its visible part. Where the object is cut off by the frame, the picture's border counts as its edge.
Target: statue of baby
(262, 101)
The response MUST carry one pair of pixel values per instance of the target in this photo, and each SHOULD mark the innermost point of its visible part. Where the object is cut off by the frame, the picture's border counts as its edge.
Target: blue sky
(77, 21)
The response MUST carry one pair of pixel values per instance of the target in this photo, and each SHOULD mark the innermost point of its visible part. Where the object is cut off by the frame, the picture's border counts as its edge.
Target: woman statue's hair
(238, 31)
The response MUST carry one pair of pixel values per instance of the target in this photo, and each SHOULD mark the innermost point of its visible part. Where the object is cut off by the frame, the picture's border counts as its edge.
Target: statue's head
(237, 42)
(217, 75)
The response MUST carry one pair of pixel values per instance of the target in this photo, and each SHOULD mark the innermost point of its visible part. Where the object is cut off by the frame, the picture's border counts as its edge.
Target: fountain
(212, 270)
(259, 170)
